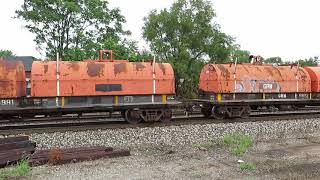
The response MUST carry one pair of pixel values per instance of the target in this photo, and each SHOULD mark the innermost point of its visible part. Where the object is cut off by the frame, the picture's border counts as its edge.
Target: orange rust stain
(248, 70)
(225, 72)
(258, 69)
(278, 72)
(268, 70)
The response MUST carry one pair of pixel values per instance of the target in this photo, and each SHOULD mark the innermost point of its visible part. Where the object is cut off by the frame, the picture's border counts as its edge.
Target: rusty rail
(14, 149)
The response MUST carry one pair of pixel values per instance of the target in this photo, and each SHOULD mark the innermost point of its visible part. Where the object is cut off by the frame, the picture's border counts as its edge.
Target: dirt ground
(280, 159)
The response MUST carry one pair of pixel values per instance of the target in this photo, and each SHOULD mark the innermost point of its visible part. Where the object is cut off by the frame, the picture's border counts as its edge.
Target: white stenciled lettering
(7, 102)
(267, 86)
(282, 96)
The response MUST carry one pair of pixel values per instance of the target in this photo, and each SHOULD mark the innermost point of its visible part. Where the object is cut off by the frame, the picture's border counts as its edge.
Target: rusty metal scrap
(14, 149)
(66, 156)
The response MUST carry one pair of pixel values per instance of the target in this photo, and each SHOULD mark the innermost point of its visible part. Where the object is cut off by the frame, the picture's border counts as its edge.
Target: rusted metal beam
(13, 139)
(30, 149)
(80, 149)
(45, 153)
(78, 157)
(16, 145)
(12, 156)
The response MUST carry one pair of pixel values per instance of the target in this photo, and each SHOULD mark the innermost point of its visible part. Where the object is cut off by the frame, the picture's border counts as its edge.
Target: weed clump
(247, 166)
(238, 142)
(21, 169)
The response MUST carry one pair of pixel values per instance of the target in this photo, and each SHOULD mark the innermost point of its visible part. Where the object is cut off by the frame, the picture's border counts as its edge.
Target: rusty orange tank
(100, 77)
(314, 73)
(253, 78)
(12, 79)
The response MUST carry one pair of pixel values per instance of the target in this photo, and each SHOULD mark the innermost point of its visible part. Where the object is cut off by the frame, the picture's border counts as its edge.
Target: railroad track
(102, 122)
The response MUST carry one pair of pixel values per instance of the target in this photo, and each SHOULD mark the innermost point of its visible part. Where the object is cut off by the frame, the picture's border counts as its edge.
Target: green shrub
(239, 143)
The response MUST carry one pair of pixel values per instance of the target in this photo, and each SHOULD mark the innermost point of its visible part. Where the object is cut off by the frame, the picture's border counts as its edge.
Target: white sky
(285, 28)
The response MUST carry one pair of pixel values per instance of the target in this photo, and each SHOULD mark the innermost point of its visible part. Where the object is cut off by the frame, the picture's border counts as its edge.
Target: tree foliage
(239, 54)
(185, 35)
(274, 60)
(73, 28)
(312, 61)
(5, 53)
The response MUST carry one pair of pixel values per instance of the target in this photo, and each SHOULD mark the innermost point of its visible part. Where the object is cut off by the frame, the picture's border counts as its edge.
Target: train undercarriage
(236, 109)
(134, 109)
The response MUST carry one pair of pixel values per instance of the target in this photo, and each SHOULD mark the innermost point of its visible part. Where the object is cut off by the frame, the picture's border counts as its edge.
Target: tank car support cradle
(136, 115)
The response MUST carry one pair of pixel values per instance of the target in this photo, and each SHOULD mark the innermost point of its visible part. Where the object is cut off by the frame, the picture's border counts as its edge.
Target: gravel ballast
(177, 135)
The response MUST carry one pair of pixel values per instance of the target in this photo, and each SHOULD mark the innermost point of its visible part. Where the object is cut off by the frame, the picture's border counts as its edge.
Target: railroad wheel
(206, 112)
(217, 113)
(133, 116)
(167, 115)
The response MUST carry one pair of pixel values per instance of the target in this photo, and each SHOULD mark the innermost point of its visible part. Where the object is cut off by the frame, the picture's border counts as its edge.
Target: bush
(239, 143)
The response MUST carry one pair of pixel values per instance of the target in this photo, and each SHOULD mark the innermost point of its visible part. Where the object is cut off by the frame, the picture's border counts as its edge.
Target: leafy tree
(127, 50)
(185, 35)
(312, 61)
(74, 29)
(274, 60)
(5, 53)
(240, 55)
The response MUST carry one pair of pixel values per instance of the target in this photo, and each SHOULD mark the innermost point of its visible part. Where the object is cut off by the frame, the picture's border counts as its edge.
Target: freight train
(139, 90)
(145, 91)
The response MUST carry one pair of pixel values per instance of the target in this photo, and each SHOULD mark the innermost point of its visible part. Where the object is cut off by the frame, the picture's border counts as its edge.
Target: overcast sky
(285, 28)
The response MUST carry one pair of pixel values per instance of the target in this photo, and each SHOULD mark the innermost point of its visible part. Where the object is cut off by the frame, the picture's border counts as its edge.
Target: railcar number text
(7, 102)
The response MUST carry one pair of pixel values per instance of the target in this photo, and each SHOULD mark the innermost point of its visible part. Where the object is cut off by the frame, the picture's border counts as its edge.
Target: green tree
(312, 61)
(74, 29)
(274, 60)
(240, 55)
(127, 50)
(5, 53)
(184, 35)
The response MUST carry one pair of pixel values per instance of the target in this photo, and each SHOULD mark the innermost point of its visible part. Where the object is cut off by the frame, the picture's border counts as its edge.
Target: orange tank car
(101, 77)
(314, 73)
(253, 78)
(12, 79)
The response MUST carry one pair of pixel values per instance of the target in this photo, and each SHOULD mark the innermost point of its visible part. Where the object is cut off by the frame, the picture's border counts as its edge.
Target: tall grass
(239, 143)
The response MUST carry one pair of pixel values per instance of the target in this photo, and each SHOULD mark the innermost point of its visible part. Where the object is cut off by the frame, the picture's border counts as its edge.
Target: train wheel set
(145, 91)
